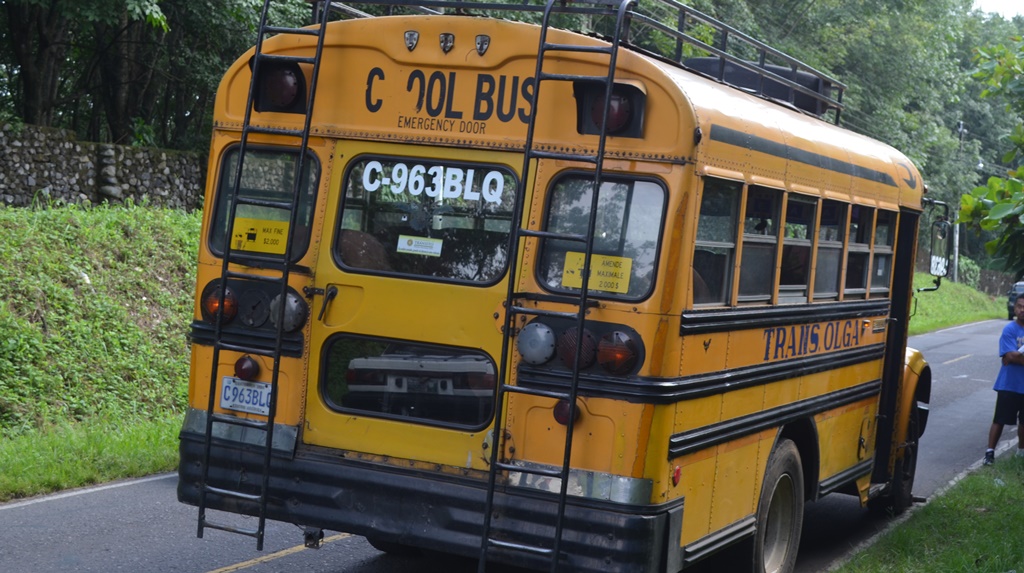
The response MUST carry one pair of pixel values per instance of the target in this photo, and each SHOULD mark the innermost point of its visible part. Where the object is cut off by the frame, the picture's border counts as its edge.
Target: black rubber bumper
(432, 511)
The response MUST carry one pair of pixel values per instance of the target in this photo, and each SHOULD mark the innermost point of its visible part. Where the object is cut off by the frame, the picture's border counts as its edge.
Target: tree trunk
(37, 34)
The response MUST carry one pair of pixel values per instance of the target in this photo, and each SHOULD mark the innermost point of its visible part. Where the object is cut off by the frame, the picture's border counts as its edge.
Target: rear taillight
(247, 368)
(567, 343)
(211, 302)
(617, 352)
(563, 414)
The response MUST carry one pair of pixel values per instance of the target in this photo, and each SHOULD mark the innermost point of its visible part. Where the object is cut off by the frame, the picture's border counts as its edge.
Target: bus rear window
(629, 223)
(447, 221)
(436, 385)
(267, 175)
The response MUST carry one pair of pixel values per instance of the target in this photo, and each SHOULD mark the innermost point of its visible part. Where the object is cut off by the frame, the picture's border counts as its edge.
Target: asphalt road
(137, 526)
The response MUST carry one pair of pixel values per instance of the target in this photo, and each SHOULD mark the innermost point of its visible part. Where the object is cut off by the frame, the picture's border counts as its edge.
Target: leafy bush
(969, 273)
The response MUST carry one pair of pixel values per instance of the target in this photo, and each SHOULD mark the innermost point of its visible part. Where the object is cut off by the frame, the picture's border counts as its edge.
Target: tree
(40, 34)
(999, 205)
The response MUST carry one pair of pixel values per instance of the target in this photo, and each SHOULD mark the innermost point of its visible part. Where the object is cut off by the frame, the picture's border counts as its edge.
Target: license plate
(245, 396)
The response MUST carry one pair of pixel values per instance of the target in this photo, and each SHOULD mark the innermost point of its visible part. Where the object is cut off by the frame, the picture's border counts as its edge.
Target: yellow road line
(277, 555)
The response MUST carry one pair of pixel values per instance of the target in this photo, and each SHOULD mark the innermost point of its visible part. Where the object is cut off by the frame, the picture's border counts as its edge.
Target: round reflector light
(211, 302)
(295, 312)
(619, 112)
(536, 343)
(617, 352)
(567, 348)
(247, 368)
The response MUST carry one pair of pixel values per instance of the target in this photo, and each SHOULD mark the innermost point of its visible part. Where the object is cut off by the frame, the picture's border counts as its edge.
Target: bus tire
(900, 496)
(780, 511)
(396, 549)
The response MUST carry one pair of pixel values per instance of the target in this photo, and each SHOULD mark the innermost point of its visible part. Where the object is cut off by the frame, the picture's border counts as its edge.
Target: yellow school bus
(613, 299)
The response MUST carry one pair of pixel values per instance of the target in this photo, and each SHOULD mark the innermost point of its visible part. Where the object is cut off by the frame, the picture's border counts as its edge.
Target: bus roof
(376, 86)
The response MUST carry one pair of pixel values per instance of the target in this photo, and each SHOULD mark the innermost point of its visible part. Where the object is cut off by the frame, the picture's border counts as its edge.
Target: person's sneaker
(990, 458)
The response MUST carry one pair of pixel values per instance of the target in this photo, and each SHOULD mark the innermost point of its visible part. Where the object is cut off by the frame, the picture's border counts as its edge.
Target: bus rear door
(405, 339)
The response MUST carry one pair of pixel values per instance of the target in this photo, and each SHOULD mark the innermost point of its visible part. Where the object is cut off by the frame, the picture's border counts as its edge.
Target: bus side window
(794, 271)
(760, 237)
(858, 251)
(716, 241)
(881, 264)
(831, 232)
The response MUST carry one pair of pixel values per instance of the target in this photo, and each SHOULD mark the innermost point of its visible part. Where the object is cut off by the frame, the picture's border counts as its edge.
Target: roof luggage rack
(725, 54)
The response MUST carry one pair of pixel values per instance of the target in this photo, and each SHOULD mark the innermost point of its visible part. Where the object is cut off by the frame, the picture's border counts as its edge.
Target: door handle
(332, 291)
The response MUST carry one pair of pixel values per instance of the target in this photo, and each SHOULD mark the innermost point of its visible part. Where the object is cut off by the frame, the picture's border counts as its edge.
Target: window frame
(542, 260)
(830, 245)
(346, 209)
(221, 207)
(487, 395)
(799, 291)
(729, 268)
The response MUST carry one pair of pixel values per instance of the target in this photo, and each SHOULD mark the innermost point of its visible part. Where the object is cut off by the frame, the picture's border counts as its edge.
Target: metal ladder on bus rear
(620, 9)
(281, 268)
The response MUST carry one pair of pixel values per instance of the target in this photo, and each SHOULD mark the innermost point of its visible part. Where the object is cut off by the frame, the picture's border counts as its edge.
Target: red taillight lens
(567, 348)
(617, 352)
(619, 112)
(280, 87)
(563, 413)
(247, 368)
(211, 302)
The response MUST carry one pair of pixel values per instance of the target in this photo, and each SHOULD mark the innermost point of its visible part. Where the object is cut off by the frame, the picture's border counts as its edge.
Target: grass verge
(975, 526)
(86, 452)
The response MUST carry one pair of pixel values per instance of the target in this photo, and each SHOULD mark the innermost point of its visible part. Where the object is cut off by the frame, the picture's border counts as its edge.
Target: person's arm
(1013, 357)
(1008, 348)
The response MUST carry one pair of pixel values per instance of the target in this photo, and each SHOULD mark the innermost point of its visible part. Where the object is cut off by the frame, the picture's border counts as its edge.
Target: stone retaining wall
(45, 165)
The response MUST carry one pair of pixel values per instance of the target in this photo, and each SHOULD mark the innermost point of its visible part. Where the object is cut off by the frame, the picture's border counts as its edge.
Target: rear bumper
(433, 511)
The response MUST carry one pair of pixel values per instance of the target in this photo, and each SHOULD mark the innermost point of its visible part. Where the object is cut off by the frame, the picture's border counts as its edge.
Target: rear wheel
(780, 511)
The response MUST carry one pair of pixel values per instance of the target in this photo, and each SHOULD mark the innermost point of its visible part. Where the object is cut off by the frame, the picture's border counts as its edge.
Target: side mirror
(942, 248)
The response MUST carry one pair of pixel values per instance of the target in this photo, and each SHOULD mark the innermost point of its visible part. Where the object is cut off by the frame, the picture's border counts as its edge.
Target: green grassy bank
(94, 309)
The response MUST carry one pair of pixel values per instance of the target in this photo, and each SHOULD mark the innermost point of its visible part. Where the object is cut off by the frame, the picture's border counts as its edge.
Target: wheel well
(803, 433)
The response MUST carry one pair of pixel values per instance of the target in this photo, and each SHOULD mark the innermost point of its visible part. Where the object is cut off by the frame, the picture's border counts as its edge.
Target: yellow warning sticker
(259, 235)
(607, 273)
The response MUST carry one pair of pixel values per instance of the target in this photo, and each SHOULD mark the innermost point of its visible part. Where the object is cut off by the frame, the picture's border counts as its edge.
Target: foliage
(86, 293)
(92, 66)
(998, 206)
(968, 273)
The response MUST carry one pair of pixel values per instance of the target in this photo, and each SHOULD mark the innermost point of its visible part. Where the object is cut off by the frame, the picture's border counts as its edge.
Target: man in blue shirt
(1009, 384)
